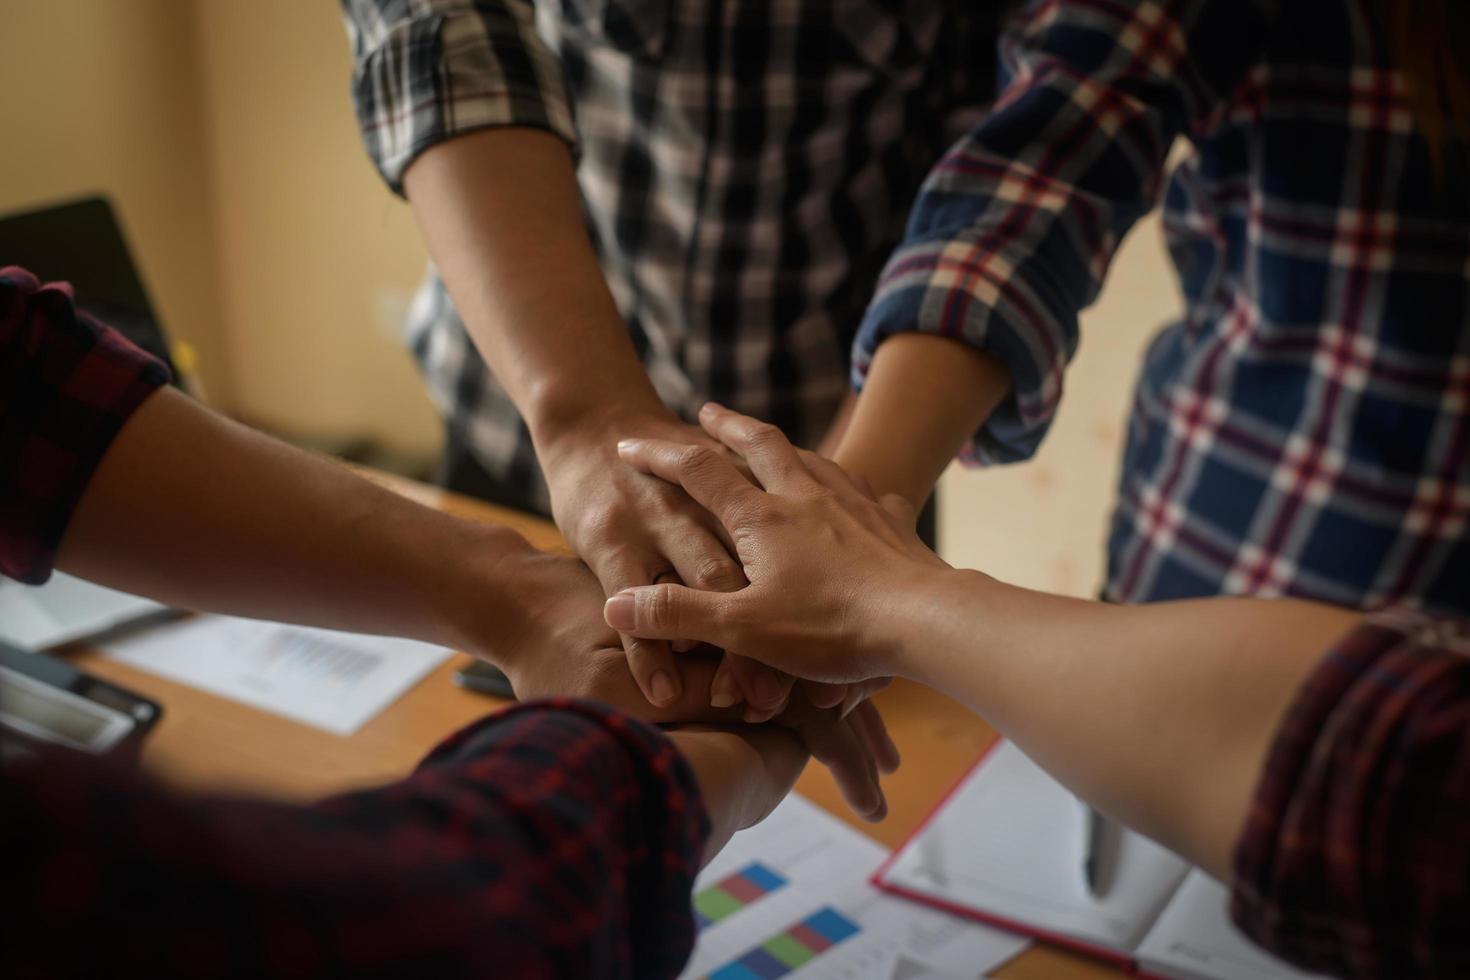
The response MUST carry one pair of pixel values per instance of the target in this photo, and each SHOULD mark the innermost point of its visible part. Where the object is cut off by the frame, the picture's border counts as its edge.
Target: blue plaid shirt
(1304, 429)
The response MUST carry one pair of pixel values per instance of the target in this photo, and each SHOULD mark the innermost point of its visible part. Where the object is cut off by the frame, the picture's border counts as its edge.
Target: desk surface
(207, 742)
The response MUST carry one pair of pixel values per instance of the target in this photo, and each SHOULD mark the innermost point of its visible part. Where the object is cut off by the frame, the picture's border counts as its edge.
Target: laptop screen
(82, 243)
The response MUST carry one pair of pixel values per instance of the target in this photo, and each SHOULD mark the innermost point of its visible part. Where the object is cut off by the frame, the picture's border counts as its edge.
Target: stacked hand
(632, 530)
(554, 642)
(827, 564)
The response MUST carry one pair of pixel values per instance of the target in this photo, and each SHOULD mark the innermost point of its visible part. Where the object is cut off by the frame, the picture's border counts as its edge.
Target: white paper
(1009, 842)
(331, 680)
(64, 610)
(825, 864)
(1195, 940)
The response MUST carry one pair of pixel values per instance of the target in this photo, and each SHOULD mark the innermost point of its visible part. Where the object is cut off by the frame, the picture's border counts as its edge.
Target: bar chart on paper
(792, 948)
(790, 898)
(733, 893)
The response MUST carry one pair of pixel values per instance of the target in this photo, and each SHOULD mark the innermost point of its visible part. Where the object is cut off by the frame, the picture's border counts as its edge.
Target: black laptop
(82, 243)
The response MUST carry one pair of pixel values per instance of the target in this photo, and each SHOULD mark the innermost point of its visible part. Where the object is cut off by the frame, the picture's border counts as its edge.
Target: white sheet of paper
(331, 680)
(64, 610)
(1008, 842)
(1195, 940)
(825, 864)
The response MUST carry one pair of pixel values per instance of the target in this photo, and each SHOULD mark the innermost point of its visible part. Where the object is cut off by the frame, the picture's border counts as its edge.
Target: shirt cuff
(631, 788)
(950, 287)
(68, 384)
(1354, 857)
(431, 78)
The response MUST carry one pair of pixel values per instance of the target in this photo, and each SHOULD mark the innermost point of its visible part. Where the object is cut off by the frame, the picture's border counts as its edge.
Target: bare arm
(203, 513)
(501, 215)
(1161, 714)
(500, 212)
(924, 396)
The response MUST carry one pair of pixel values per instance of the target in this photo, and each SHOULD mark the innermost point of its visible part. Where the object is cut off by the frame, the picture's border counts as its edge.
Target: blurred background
(223, 134)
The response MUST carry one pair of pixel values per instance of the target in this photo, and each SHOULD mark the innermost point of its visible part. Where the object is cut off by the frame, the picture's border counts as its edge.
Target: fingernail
(621, 612)
(710, 408)
(767, 689)
(627, 445)
(662, 684)
(723, 691)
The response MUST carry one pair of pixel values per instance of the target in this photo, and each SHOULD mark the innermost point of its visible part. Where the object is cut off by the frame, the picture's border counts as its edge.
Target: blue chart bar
(791, 949)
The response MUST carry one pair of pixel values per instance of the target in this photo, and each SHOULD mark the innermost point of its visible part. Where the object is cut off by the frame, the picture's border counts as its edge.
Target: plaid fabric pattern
(1355, 858)
(67, 385)
(553, 840)
(1305, 427)
(746, 169)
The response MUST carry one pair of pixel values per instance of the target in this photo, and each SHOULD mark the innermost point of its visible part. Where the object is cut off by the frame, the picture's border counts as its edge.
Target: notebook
(1006, 848)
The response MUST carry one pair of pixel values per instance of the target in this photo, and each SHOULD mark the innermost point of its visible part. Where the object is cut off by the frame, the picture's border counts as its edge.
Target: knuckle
(810, 459)
(717, 574)
(821, 494)
(600, 523)
(693, 459)
(661, 607)
(759, 434)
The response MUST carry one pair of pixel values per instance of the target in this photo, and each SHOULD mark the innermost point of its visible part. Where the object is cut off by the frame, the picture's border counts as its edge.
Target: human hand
(632, 530)
(548, 636)
(833, 573)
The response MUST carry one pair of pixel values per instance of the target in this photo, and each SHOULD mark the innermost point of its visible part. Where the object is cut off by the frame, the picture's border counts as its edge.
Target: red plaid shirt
(67, 384)
(559, 839)
(554, 840)
(1355, 860)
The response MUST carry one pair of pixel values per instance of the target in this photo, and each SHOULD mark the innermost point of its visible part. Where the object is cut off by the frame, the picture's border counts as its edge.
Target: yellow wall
(1042, 523)
(223, 132)
(317, 260)
(101, 95)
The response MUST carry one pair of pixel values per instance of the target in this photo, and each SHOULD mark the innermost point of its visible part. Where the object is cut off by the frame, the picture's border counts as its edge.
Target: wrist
(739, 782)
(475, 586)
(562, 421)
(931, 614)
(719, 775)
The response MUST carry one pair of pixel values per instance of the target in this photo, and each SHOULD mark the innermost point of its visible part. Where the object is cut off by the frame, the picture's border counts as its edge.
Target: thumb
(668, 612)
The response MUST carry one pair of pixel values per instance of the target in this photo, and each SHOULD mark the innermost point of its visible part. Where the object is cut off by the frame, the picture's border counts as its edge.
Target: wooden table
(206, 742)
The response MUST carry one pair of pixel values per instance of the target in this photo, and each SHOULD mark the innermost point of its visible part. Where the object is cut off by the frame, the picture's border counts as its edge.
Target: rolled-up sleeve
(1355, 858)
(1012, 233)
(558, 839)
(67, 386)
(429, 70)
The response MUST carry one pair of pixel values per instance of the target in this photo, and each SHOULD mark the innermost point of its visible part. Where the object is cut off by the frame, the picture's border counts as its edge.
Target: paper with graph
(331, 680)
(790, 898)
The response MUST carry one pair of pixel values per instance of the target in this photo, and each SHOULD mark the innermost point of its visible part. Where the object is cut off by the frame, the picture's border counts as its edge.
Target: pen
(1094, 827)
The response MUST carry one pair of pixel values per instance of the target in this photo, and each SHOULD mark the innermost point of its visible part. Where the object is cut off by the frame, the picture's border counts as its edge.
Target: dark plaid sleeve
(67, 385)
(428, 70)
(1013, 231)
(1355, 859)
(554, 840)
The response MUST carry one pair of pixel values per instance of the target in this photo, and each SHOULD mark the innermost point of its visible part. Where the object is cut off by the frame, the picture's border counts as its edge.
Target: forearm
(1159, 714)
(924, 396)
(203, 513)
(501, 215)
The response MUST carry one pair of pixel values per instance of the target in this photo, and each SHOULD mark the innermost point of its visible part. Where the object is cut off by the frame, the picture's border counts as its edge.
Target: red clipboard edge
(877, 880)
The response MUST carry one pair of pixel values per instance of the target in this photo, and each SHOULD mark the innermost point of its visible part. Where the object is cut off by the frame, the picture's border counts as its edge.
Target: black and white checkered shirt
(746, 167)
